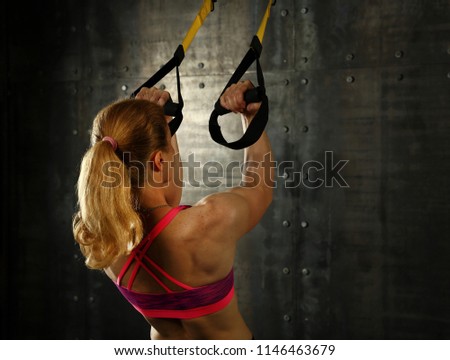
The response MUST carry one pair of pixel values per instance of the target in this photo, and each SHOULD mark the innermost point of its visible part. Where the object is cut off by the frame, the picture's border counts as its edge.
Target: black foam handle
(254, 95)
(171, 108)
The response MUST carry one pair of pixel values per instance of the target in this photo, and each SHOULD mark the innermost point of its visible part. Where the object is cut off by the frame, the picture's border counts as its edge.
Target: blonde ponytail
(107, 224)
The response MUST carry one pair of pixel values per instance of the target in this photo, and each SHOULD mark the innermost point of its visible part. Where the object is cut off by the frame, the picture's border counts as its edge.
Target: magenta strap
(139, 252)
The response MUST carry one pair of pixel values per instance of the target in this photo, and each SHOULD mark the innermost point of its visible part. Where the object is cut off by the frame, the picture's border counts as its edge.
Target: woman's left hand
(156, 96)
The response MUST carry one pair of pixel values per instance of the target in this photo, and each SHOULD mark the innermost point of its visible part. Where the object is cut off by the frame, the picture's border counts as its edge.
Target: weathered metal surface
(356, 86)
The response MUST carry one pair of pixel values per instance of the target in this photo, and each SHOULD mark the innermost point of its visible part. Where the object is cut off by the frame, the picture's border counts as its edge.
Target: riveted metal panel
(337, 34)
(354, 245)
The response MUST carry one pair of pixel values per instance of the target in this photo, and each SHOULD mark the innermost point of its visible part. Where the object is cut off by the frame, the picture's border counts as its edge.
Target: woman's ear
(156, 160)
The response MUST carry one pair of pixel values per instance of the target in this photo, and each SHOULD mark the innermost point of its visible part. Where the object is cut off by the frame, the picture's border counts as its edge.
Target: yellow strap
(206, 8)
(262, 27)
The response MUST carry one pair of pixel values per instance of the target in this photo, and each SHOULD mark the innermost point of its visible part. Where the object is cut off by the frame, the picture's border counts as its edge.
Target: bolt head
(399, 54)
(350, 79)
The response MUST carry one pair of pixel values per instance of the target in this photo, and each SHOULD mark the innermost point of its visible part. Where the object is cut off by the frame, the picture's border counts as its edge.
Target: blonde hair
(107, 224)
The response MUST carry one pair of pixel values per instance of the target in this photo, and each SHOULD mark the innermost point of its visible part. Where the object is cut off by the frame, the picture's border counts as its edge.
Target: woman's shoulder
(217, 211)
(209, 221)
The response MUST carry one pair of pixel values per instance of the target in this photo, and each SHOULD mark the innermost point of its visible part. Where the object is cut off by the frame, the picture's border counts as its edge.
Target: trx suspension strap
(256, 127)
(172, 108)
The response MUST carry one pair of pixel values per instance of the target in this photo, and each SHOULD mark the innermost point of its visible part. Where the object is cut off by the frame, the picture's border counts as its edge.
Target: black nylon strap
(176, 60)
(175, 110)
(178, 118)
(258, 124)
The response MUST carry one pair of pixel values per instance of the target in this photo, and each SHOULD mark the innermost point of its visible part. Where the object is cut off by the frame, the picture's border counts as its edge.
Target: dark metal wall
(357, 249)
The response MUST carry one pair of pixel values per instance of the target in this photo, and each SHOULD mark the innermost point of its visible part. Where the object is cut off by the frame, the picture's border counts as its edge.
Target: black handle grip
(254, 95)
(171, 108)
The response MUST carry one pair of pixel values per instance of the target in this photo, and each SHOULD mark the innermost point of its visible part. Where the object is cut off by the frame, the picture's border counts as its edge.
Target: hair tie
(111, 141)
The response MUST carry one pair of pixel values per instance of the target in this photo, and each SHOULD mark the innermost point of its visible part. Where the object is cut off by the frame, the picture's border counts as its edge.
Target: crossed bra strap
(140, 253)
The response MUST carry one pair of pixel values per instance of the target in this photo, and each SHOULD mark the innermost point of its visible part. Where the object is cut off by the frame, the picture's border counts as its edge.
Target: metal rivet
(306, 319)
(350, 57)
(304, 10)
(285, 175)
(304, 224)
(76, 256)
(75, 298)
(201, 85)
(284, 12)
(286, 129)
(304, 81)
(162, 87)
(91, 299)
(305, 59)
(448, 75)
(399, 54)
(286, 270)
(201, 65)
(400, 77)
(74, 132)
(286, 223)
(125, 68)
(350, 79)
(286, 82)
(305, 129)
(286, 318)
(306, 272)
(124, 88)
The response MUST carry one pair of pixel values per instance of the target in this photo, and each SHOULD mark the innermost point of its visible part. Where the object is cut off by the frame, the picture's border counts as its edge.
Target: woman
(173, 263)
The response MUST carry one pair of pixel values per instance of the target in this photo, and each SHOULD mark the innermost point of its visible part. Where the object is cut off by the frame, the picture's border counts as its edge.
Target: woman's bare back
(195, 261)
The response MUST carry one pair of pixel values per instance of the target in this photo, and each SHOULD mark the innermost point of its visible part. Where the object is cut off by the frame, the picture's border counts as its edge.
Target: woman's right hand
(233, 99)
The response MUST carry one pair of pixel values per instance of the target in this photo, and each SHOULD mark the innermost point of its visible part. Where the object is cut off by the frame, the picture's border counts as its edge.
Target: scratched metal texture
(360, 87)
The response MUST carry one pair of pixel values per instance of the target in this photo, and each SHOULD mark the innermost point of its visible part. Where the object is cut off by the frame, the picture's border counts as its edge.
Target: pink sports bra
(191, 302)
